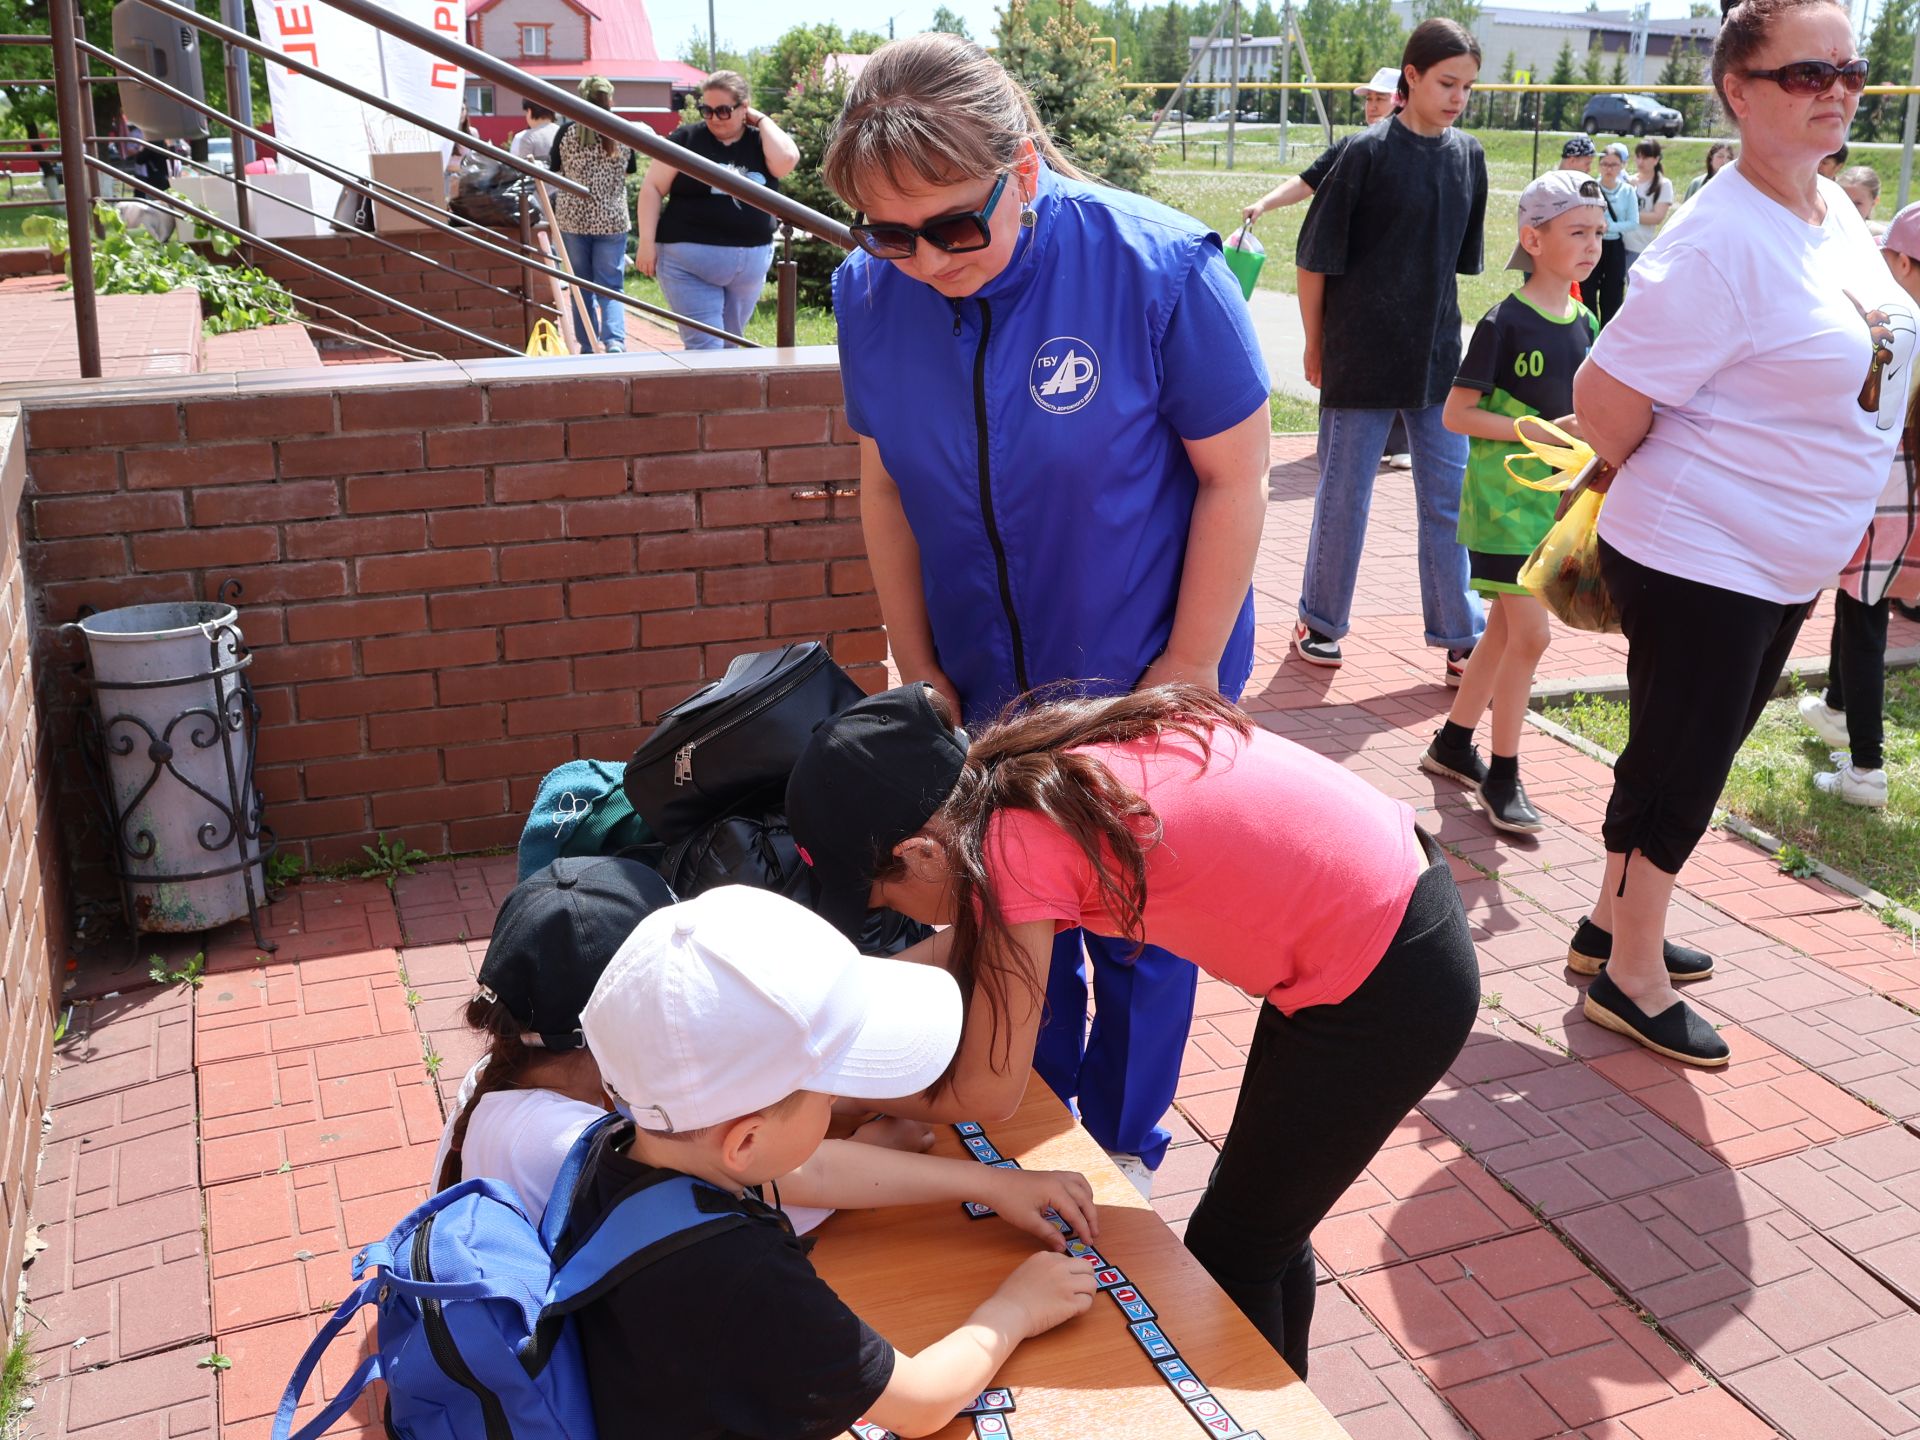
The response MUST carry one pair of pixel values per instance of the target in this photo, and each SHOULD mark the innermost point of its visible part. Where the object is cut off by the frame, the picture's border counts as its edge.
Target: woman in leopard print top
(594, 229)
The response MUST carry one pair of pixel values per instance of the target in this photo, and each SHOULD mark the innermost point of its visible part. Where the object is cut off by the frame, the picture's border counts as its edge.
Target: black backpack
(553, 155)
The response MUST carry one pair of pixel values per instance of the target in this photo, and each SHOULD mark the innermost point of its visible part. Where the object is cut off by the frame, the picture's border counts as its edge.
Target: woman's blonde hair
(933, 109)
(731, 81)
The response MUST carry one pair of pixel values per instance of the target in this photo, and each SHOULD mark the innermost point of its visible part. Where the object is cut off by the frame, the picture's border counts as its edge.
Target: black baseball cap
(555, 934)
(870, 777)
(1575, 148)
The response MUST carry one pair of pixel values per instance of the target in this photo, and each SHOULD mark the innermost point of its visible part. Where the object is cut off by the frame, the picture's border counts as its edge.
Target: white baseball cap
(1385, 81)
(730, 1002)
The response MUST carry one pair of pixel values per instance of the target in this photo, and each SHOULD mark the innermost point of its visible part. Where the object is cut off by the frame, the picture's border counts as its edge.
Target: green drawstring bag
(1245, 257)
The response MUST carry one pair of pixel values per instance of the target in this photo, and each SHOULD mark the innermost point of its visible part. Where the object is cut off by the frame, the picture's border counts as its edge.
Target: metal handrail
(401, 201)
(299, 67)
(585, 112)
(309, 210)
(194, 212)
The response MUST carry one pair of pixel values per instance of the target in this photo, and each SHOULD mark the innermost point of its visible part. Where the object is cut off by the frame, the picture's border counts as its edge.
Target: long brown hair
(507, 1060)
(937, 109)
(1024, 761)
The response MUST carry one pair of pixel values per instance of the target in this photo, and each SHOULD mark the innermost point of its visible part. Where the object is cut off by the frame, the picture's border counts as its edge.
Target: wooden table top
(916, 1273)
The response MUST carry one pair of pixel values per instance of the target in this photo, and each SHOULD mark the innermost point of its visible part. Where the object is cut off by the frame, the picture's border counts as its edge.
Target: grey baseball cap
(1546, 198)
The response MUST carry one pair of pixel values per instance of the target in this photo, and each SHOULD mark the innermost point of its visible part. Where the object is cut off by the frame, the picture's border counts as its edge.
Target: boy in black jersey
(1521, 361)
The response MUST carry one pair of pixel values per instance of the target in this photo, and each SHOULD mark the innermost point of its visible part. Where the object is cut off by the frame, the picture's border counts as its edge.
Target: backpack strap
(366, 1293)
(553, 1224)
(641, 1228)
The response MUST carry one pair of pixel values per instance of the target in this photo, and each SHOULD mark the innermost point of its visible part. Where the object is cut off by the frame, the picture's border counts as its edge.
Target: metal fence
(81, 164)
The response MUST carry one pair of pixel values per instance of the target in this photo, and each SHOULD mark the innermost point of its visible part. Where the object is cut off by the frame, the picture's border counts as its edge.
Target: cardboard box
(271, 220)
(418, 174)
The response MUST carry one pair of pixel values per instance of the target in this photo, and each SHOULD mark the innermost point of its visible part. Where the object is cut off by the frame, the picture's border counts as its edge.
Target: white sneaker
(1856, 787)
(1829, 724)
(1135, 1169)
(1402, 461)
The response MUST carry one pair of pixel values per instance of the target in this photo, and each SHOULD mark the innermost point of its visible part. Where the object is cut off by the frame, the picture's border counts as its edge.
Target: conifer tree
(1079, 98)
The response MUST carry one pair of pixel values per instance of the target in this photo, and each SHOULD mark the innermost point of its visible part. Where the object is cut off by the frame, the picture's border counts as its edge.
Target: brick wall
(468, 303)
(457, 577)
(30, 906)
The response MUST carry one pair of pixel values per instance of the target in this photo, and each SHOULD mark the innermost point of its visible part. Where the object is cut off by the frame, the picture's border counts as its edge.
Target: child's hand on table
(1045, 1291)
(1020, 1196)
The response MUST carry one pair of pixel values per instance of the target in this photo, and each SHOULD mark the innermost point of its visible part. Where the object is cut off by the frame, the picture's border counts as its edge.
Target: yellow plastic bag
(1563, 572)
(545, 341)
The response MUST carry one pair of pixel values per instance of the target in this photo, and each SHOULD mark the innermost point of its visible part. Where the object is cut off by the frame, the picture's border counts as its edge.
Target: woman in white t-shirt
(1736, 392)
(1654, 192)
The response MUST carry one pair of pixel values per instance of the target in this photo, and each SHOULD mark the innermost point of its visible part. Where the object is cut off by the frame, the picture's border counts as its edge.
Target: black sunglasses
(956, 234)
(1815, 77)
(716, 112)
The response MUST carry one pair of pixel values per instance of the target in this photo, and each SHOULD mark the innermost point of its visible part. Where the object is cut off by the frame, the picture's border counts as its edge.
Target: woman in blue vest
(1063, 458)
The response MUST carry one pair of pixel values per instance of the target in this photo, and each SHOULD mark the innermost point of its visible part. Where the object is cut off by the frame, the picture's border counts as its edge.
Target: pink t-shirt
(1277, 871)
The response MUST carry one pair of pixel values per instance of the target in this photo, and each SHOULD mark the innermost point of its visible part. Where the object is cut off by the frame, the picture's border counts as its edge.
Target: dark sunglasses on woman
(956, 234)
(716, 112)
(1815, 77)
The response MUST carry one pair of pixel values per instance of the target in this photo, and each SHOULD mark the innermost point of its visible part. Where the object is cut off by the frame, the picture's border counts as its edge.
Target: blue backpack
(473, 1305)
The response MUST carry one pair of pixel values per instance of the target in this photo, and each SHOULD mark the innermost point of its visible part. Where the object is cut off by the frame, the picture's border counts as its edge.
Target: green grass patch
(11, 220)
(1772, 786)
(1292, 415)
(15, 1379)
(813, 325)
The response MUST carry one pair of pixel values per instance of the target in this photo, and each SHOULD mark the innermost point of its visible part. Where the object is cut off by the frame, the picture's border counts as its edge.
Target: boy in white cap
(724, 1027)
(1520, 361)
(1377, 97)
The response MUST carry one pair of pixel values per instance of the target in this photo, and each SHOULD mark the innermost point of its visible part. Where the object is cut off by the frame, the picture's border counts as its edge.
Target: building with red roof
(562, 42)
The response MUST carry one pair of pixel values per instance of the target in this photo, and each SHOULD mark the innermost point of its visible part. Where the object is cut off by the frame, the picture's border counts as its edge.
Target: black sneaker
(1679, 1032)
(1314, 648)
(1457, 666)
(1592, 947)
(1911, 611)
(1462, 763)
(1507, 806)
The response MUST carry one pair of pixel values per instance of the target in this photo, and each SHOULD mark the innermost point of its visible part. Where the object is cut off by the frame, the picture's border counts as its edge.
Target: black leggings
(1323, 1089)
(1857, 673)
(1602, 291)
(1701, 665)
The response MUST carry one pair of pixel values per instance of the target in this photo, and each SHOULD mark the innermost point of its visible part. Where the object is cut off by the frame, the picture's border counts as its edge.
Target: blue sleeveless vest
(1050, 498)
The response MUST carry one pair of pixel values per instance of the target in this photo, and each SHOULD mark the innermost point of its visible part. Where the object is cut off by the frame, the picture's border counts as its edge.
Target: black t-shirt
(733, 1337)
(1316, 173)
(1399, 215)
(697, 213)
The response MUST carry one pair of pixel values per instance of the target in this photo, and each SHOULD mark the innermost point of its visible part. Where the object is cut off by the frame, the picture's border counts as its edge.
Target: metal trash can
(170, 748)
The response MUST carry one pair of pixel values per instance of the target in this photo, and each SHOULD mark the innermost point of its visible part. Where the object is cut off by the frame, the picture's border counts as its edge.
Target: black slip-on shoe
(1462, 763)
(1592, 947)
(1508, 808)
(1679, 1032)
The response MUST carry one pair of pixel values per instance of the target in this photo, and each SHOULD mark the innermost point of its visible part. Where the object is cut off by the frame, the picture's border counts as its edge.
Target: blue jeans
(603, 260)
(717, 285)
(1350, 446)
(1125, 1072)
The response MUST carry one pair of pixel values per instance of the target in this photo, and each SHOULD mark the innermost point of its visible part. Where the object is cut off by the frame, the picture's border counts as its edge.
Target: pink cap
(1903, 233)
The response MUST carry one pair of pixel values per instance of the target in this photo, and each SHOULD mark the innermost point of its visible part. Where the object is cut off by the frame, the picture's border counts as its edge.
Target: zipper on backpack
(986, 494)
(683, 757)
(445, 1352)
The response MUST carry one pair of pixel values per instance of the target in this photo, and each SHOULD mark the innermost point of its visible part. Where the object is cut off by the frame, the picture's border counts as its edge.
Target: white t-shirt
(519, 1136)
(1648, 197)
(535, 143)
(523, 1136)
(1761, 470)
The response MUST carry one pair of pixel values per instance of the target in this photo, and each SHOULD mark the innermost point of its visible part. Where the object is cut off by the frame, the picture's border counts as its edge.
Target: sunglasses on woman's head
(958, 233)
(716, 112)
(1815, 77)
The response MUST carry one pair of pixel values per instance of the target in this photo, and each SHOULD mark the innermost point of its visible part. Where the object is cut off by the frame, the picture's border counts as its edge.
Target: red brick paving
(1498, 1271)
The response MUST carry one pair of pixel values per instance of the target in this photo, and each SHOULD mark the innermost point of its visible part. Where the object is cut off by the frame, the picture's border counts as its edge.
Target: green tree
(1078, 97)
(1167, 52)
(1563, 74)
(1684, 67)
(1467, 12)
(1619, 75)
(810, 110)
(945, 22)
(795, 53)
(693, 50)
(1889, 55)
(1590, 72)
(1264, 21)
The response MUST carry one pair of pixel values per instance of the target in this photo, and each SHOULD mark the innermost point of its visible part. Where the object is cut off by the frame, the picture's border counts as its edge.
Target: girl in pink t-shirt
(1168, 818)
